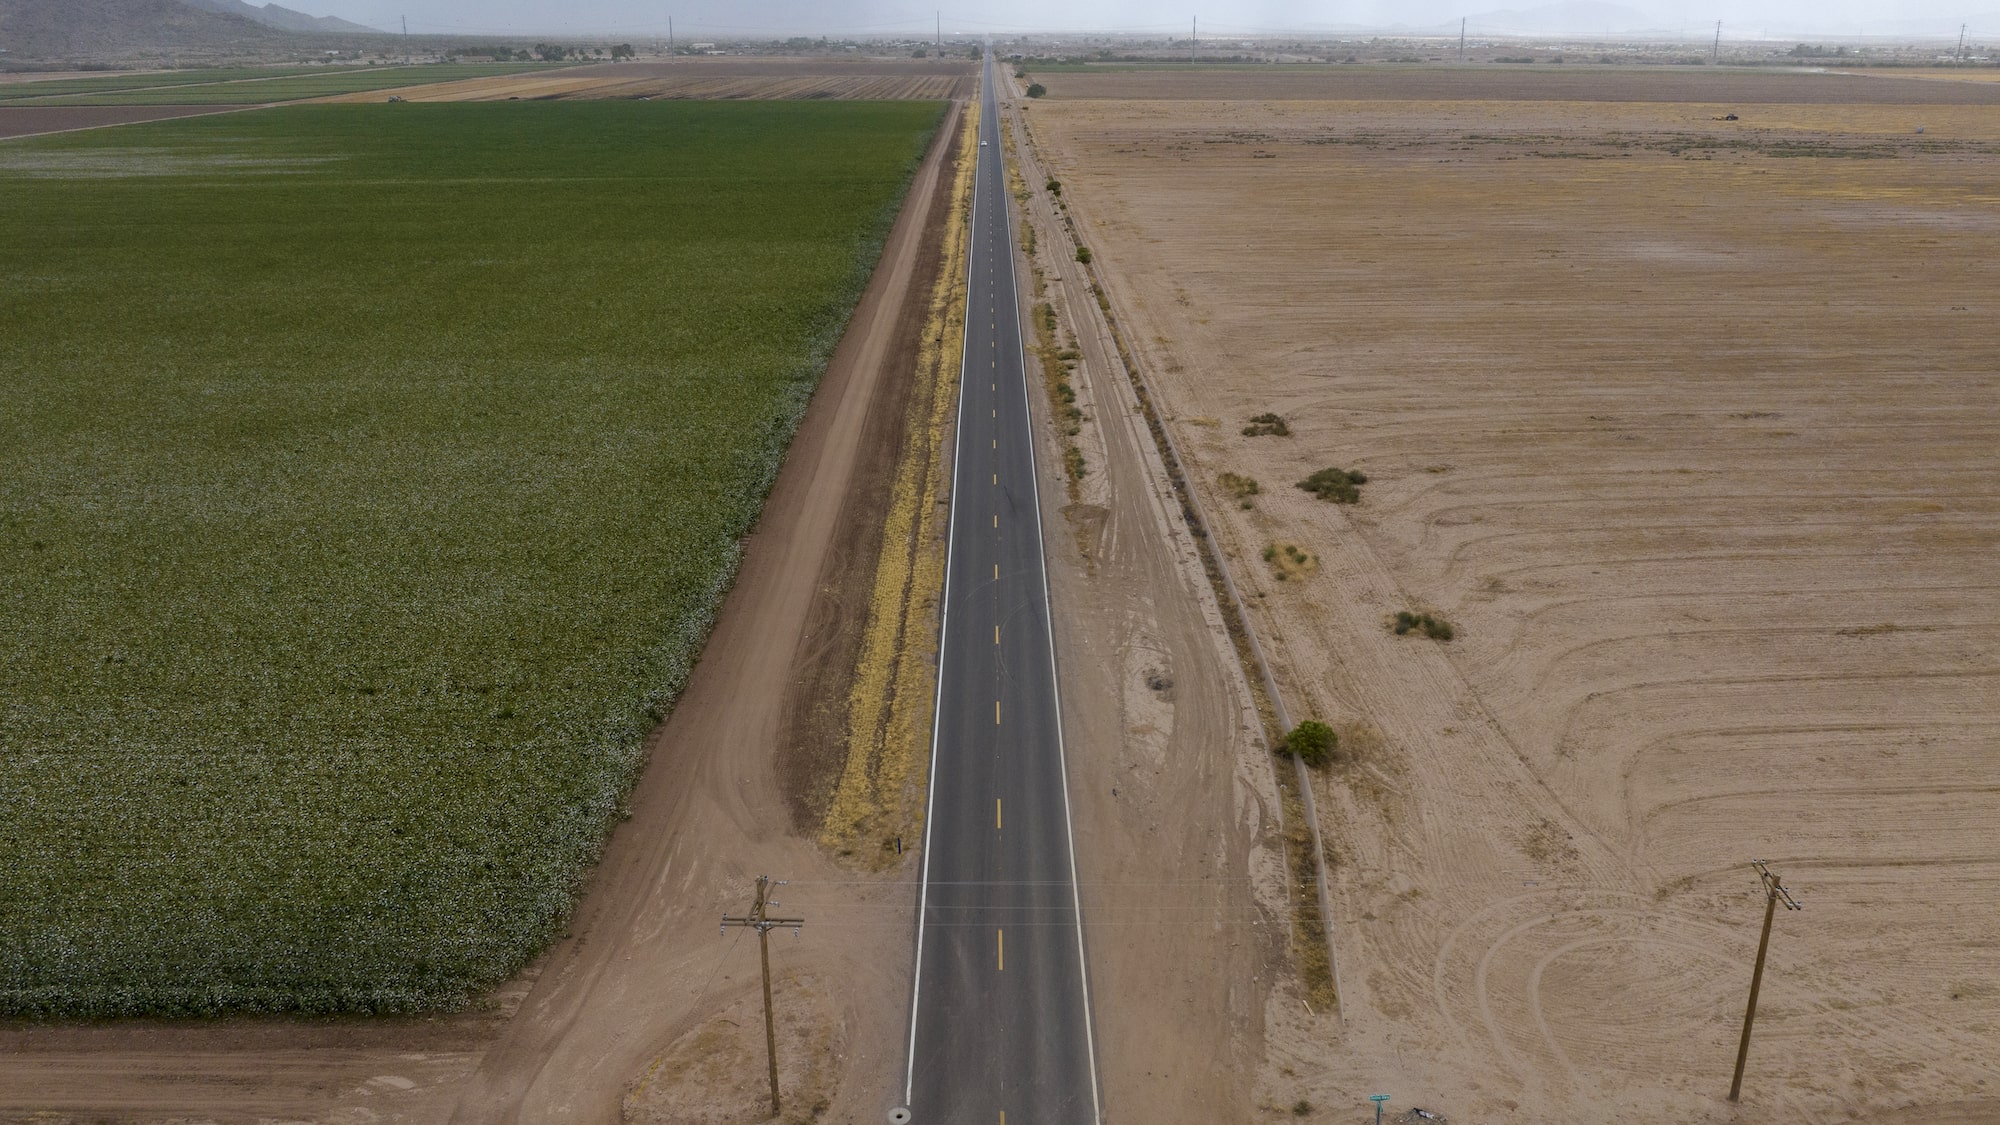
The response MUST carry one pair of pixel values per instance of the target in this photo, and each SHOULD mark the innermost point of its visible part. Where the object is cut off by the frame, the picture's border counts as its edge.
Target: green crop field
(253, 87)
(369, 477)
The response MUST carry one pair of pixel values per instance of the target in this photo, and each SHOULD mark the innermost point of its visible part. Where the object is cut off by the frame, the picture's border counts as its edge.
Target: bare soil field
(31, 121)
(711, 78)
(1686, 426)
(1380, 82)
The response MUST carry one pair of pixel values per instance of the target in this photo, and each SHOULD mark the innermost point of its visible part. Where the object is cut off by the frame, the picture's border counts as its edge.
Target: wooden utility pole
(1461, 42)
(760, 920)
(1194, 29)
(1715, 55)
(1774, 893)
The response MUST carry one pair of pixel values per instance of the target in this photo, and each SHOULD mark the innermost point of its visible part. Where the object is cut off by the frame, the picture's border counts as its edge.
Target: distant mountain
(284, 19)
(1579, 17)
(110, 30)
(100, 28)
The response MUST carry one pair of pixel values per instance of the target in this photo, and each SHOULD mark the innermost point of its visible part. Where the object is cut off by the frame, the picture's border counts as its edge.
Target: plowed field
(1687, 425)
(714, 79)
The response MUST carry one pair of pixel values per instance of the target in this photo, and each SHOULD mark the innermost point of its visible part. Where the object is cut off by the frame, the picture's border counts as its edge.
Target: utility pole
(760, 920)
(1461, 39)
(939, 13)
(1961, 42)
(670, 35)
(406, 39)
(1715, 54)
(1774, 893)
(1194, 26)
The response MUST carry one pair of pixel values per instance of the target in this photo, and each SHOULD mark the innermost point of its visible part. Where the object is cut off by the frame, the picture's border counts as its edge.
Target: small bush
(1239, 486)
(1436, 628)
(1036, 89)
(1341, 486)
(1311, 742)
(1083, 254)
(1301, 1108)
(1267, 425)
(1054, 185)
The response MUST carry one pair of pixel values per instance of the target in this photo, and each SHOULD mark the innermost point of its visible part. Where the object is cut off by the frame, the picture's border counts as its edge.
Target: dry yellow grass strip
(878, 799)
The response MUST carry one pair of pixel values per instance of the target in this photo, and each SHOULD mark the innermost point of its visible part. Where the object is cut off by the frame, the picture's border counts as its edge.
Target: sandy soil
(1380, 82)
(1687, 426)
(600, 1026)
(711, 78)
(32, 121)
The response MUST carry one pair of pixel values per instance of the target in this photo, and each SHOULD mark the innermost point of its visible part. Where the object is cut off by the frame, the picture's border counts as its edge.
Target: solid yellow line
(996, 570)
(996, 521)
(996, 628)
(996, 813)
(996, 712)
(1002, 946)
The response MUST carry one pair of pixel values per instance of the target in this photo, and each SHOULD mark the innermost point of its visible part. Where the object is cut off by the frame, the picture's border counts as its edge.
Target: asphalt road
(1000, 1026)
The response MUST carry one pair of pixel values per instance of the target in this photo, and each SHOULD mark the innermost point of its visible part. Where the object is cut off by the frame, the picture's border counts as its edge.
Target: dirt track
(642, 968)
(1687, 425)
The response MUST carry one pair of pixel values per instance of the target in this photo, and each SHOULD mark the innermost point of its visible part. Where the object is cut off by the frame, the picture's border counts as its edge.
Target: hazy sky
(645, 18)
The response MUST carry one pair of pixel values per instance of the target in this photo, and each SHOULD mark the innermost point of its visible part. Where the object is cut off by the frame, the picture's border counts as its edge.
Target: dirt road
(642, 967)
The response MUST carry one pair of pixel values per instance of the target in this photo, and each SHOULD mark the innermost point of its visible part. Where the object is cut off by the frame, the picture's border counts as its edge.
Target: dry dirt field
(1688, 426)
(30, 121)
(710, 78)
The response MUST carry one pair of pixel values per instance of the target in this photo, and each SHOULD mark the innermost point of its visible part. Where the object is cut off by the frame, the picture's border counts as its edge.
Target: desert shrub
(1436, 628)
(1036, 89)
(1239, 486)
(1341, 486)
(1311, 742)
(1083, 254)
(1267, 425)
(1054, 185)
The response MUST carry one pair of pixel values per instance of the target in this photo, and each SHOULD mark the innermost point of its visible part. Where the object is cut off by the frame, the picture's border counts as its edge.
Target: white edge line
(1055, 681)
(944, 628)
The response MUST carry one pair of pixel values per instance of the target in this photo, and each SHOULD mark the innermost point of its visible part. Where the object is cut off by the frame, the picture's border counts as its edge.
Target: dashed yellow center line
(996, 521)
(996, 712)
(996, 571)
(996, 628)
(1001, 946)
(996, 478)
(996, 814)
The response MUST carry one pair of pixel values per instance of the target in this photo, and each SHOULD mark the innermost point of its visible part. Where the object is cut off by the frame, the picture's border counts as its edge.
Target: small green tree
(1312, 742)
(1083, 254)
(1036, 89)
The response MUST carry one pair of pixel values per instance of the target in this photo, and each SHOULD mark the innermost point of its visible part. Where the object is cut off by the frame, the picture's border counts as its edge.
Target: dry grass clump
(1289, 561)
(1240, 487)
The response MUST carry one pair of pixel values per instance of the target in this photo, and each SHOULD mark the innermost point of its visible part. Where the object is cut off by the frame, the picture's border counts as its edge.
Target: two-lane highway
(1000, 1025)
